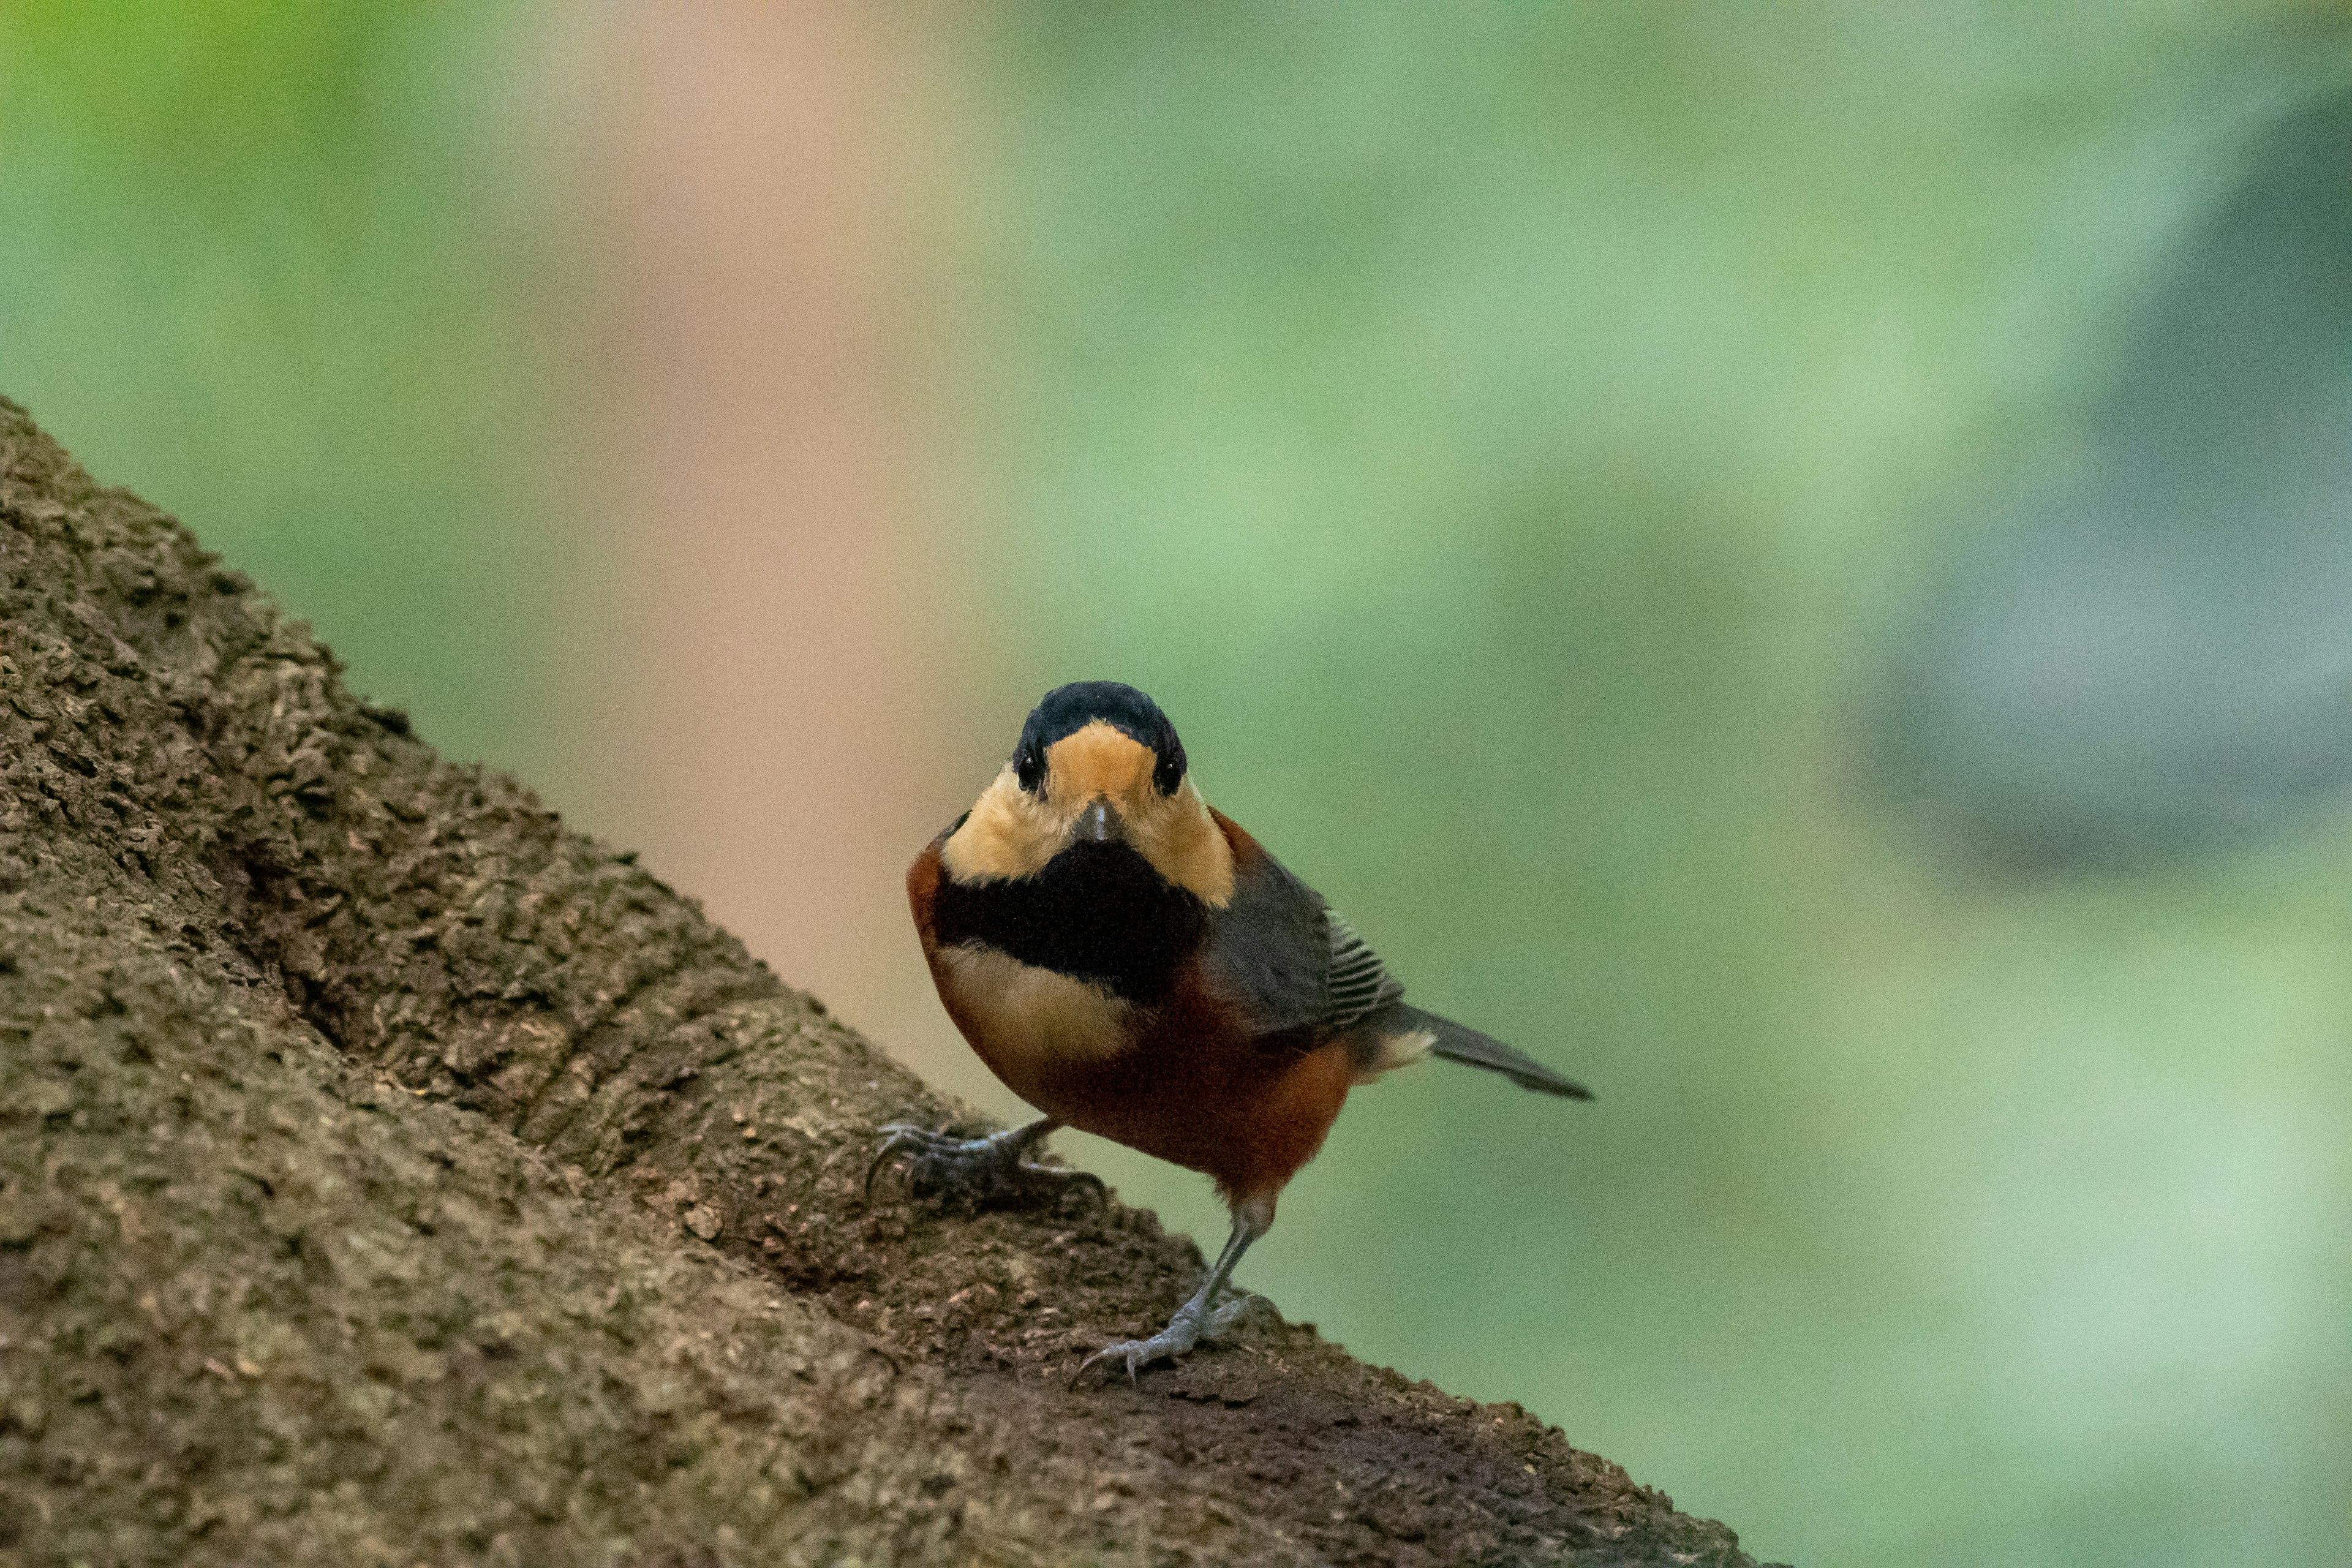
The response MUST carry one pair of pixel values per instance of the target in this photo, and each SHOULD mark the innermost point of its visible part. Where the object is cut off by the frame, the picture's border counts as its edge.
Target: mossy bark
(388, 1175)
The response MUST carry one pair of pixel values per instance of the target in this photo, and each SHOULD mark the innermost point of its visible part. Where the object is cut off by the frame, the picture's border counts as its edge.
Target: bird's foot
(1192, 1323)
(977, 1173)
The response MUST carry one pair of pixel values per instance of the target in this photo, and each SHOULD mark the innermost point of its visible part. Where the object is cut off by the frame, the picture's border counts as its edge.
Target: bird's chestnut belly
(1166, 1082)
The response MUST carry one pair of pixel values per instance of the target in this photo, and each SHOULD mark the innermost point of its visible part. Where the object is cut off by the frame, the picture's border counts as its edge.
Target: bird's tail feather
(1458, 1043)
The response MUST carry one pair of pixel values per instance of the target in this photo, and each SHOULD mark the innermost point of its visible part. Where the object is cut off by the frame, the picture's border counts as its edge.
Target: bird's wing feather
(1294, 969)
(1299, 974)
(1358, 983)
(1267, 955)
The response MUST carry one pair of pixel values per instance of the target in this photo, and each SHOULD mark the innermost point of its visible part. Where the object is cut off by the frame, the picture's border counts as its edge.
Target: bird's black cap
(1067, 709)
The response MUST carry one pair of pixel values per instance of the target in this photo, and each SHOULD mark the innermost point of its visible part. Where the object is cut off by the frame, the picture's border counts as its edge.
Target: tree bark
(389, 1175)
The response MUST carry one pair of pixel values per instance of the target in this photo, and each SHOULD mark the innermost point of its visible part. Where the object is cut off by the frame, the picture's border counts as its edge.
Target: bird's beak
(1098, 824)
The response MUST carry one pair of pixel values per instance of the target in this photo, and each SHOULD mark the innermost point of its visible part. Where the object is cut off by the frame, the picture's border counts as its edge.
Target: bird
(1131, 963)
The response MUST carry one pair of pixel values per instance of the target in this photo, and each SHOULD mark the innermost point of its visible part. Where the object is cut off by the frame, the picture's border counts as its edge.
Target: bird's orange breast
(1184, 1079)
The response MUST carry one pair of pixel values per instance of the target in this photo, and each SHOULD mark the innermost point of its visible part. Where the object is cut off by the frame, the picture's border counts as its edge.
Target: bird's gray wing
(1296, 970)
(1267, 955)
(1357, 985)
(1301, 974)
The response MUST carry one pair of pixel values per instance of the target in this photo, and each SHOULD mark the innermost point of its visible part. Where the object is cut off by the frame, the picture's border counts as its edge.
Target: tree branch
(387, 1174)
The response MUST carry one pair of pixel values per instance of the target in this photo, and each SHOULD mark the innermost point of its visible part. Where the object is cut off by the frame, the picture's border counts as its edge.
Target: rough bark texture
(388, 1175)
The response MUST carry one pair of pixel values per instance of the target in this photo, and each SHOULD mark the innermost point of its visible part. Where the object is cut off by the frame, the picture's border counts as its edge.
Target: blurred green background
(1512, 442)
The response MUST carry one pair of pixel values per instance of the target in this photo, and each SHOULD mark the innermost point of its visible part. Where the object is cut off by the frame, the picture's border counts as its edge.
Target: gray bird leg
(1199, 1317)
(975, 1172)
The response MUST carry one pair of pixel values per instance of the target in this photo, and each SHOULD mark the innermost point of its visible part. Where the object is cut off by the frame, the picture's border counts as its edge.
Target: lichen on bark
(388, 1174)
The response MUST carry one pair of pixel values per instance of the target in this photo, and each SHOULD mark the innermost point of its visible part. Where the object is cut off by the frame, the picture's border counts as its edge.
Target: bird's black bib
(1097, 912)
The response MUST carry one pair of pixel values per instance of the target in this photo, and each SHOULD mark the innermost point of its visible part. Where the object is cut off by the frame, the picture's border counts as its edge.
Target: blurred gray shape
(2149, 653)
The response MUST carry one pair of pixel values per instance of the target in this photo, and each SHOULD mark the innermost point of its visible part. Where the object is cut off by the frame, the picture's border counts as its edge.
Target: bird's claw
(976, 1172)
(1183, 1334)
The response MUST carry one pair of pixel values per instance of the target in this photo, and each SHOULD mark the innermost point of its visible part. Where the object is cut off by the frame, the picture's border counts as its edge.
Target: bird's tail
(1458, 1042)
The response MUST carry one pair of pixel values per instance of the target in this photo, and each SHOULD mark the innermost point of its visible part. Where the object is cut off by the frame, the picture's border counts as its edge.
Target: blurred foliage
(261, 268)
(2146, 651)
(1503, 439)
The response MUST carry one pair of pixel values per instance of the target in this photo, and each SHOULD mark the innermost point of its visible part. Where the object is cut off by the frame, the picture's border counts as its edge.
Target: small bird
(1129, 961)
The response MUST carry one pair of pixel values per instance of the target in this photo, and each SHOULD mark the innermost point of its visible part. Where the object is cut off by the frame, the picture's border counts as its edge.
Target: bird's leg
(1200, 1318)
(975, 1172)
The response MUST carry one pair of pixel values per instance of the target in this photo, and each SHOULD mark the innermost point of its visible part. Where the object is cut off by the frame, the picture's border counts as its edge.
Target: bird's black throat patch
(1097, 912)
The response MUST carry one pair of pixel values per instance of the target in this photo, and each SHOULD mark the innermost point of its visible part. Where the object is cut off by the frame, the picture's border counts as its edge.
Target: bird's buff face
(1095, 787)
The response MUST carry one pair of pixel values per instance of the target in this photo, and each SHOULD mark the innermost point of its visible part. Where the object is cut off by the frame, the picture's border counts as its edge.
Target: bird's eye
(1170, 772)
(1029, 767)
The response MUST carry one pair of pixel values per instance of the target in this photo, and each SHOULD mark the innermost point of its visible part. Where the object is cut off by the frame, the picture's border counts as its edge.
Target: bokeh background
(1796, 562)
